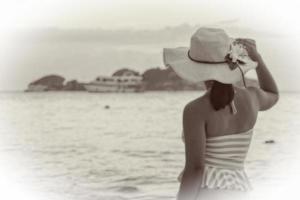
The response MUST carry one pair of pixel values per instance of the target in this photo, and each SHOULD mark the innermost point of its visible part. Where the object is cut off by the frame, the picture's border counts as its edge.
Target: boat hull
(110, 88)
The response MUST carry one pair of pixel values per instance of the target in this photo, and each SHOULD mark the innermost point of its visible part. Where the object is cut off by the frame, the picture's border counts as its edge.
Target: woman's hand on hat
(250, 46)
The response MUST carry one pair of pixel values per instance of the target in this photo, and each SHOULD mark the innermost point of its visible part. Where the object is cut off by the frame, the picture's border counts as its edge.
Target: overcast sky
(84, 38)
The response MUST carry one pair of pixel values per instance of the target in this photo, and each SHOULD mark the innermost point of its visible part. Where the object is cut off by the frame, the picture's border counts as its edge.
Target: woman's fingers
(246, 41)
(250, 46)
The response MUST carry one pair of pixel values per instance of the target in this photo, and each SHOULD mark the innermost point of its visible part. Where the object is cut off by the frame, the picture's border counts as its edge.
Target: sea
(121, 146)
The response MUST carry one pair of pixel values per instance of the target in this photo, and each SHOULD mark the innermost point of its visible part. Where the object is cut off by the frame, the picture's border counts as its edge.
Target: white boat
(127, 82)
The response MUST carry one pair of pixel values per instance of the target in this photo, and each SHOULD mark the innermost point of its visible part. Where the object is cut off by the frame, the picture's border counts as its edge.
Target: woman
(218, 126)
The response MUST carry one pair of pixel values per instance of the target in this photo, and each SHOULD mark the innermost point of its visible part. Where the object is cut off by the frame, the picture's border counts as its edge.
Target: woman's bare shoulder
(198, 105)
(247, 94)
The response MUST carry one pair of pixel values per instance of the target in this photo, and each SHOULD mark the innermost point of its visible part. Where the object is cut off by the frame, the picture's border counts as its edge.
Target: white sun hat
(212, 55)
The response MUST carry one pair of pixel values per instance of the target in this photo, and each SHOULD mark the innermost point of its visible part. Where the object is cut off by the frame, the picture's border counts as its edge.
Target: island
(153, 79)
(46, 83)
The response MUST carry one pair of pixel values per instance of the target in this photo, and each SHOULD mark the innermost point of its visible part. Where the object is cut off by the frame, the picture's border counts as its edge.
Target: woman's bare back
(224, 122)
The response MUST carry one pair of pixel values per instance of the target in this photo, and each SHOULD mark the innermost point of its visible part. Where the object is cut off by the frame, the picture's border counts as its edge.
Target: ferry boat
(127, 82)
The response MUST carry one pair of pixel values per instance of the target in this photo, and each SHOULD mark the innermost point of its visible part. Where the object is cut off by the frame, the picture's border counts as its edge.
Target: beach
(87, 146)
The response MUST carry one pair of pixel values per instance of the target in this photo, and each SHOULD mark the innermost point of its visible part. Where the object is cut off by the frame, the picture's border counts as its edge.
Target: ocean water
(71, 146)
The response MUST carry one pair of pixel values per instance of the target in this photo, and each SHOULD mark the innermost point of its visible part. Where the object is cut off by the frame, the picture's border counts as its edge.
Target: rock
(167, 79)
(47, 83)
(106, 106)
(269, 142)
(74, 85)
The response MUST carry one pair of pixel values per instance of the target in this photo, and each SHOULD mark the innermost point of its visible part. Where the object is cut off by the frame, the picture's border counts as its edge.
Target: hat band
(203, 61)
(231, 65)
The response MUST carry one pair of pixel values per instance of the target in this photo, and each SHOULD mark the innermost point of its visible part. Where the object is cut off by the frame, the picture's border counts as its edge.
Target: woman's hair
(221, 95)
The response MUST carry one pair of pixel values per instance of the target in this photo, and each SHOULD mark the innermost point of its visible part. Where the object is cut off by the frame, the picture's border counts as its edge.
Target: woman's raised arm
(267, 95)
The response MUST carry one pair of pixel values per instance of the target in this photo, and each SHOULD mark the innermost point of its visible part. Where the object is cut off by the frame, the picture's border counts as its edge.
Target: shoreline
(82, 91)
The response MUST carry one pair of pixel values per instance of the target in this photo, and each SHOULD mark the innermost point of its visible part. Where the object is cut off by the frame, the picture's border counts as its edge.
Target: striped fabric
(224, 162)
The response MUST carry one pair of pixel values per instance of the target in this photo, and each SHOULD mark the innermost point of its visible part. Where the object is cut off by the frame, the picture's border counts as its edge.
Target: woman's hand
(250, 46)
(267, 95)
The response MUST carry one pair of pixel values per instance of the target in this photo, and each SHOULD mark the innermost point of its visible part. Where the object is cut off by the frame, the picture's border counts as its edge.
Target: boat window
(98, 79)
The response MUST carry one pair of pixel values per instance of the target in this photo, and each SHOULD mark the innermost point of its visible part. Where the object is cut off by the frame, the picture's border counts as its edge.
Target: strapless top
(224, 162)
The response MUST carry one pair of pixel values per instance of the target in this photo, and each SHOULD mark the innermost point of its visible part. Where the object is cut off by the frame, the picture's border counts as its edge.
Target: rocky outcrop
(166, 79)
(47, 83)
(74, 85)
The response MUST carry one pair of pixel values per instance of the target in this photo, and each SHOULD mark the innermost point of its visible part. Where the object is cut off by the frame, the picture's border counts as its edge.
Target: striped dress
(224, 162)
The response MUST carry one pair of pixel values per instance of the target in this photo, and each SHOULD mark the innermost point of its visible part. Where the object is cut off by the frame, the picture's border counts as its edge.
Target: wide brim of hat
(195, 72)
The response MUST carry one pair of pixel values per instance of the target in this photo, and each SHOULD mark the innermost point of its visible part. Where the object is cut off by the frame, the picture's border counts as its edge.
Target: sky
(80, 39)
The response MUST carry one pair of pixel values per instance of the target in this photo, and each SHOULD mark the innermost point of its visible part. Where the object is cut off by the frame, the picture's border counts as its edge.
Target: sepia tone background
(67, 145)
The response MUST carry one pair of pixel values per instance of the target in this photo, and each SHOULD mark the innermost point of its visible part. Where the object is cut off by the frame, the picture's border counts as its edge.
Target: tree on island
(123, 71)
